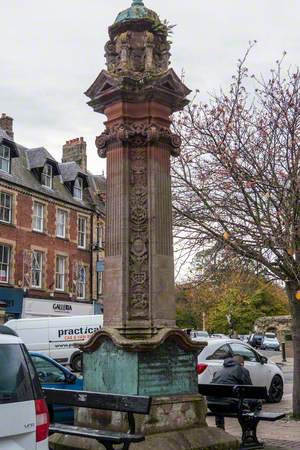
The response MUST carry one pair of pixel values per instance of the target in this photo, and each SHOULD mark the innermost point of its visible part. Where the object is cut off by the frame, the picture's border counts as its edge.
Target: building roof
(70, 171)
(137, 11)
(23, 174)
(97, 188)
(4, 135)
(7, 140)
(38, 157)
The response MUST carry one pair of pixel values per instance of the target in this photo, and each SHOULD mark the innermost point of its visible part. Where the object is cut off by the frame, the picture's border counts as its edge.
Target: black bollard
(283, 352)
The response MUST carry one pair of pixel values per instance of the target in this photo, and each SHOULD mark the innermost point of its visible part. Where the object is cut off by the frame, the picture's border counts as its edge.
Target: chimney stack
(6, 123)
(75, 150)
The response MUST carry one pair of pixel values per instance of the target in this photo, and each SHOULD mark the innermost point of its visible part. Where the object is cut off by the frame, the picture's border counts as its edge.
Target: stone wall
(281, 325)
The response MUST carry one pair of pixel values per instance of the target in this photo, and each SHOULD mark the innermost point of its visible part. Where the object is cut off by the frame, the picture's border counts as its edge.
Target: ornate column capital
(138, 134)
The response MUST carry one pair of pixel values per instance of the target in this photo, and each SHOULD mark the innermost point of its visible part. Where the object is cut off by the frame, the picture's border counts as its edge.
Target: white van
(57, 337)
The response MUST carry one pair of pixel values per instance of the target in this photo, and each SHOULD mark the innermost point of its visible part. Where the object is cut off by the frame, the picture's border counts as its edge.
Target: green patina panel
(111, 370)
(168, 370)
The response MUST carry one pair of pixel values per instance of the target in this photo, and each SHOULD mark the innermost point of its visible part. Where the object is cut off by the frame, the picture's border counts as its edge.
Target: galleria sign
(62, 307)
(33, 307)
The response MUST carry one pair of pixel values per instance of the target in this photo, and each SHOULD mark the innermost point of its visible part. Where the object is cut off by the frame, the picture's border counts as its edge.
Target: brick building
(51, 229)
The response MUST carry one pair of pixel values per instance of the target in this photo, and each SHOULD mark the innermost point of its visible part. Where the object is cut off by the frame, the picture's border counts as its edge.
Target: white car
(263, 371)
(24, 423)
(219, 336)
(270, 342)
(199, 336)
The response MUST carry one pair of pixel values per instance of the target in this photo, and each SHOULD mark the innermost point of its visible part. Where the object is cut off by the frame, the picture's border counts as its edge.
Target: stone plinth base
(174, 423)
(204, 438)
(171, 413)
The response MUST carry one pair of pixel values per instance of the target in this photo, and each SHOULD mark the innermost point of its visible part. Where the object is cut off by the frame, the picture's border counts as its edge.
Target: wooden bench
(111, 402)
(248, 420)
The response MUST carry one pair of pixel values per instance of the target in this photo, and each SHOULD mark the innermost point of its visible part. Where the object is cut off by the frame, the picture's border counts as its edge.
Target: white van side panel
(66, 335)
(57, 337)
(34, 334)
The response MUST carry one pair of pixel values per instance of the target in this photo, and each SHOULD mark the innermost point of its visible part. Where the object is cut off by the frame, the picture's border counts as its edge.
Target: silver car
(24, 415)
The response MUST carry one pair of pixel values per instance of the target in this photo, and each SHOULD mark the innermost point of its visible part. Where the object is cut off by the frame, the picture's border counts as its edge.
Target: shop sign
(37, 307)
(11, 299)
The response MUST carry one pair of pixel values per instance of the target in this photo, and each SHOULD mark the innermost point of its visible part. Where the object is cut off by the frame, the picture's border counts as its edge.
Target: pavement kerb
(278, 360)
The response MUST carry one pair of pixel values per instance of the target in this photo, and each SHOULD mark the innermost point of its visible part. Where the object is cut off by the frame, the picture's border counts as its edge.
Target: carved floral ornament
(138, 135)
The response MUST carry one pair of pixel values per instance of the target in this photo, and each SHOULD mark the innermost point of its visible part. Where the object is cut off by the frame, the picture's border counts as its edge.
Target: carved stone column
(140, 351)
(139, 270)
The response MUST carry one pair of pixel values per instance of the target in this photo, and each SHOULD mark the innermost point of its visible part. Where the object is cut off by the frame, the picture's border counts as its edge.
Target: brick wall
(20, 236)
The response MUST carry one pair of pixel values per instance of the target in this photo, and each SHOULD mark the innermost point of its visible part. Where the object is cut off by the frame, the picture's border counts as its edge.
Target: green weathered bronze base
(167, 370)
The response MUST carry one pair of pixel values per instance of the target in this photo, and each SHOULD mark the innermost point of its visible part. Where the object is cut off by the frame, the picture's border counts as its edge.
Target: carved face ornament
(139, 247)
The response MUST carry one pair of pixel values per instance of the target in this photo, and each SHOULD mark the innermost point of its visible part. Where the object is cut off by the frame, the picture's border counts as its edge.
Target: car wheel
(76, 362)
(276, 390)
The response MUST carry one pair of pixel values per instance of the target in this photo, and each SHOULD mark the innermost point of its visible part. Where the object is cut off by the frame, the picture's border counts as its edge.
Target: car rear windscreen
(15, 383)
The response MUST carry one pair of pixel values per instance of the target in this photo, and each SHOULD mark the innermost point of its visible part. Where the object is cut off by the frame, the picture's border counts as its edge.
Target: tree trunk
(291, 288)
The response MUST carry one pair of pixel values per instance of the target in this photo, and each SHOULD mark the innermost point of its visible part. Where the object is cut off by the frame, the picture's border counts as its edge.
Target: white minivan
(58, 337)
(24, 423)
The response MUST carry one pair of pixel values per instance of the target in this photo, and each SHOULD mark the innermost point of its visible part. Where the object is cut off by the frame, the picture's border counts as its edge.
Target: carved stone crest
(137, 53)
(139, 243)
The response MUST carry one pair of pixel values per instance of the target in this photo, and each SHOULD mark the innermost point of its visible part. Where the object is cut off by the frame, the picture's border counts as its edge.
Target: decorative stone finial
(138, 47)
(137, 10)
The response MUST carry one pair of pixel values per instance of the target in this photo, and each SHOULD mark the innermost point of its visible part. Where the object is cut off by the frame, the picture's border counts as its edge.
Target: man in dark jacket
(233, 373)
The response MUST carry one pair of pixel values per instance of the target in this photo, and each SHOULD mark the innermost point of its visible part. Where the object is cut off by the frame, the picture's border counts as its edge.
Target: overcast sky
(52, 51)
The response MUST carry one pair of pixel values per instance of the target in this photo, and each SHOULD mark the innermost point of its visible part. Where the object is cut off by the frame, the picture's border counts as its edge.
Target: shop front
(34, 307)
(11, 303)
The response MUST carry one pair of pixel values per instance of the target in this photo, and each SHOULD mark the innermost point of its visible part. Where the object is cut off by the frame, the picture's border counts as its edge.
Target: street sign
(100, 266)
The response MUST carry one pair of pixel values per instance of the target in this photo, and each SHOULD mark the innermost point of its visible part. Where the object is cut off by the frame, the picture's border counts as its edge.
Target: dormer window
(78, 188)
(47, 176)
(5, 158)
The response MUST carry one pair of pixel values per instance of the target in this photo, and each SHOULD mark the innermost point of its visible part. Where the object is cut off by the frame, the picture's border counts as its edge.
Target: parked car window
(221, 353)
(48, 372)
(247, 353)
(15, 383)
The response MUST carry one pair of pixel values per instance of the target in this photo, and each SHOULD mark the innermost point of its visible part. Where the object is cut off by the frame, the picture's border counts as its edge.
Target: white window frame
(81, 287)
(5, 265)
(6, 207)
(38, 217)
(60, 273)
(37, 269)
(5, 159)
(82, 232)
(47, 176)
(61, 223)
(78, 188)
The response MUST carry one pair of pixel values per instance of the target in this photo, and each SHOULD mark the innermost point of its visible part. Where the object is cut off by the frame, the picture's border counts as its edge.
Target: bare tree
(236, 183)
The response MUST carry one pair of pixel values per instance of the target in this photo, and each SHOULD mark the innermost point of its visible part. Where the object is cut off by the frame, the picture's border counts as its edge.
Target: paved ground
(284, 434)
